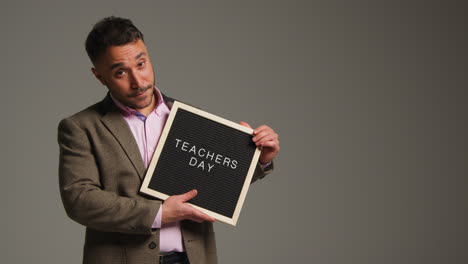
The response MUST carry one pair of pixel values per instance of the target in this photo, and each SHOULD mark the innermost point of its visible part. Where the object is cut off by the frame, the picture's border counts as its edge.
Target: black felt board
(199, 153)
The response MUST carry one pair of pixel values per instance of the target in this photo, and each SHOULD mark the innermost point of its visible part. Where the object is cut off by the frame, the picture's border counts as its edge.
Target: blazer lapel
(114, 121)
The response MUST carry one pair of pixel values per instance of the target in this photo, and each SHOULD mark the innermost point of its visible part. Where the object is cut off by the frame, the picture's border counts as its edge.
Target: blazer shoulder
(167, 99)
(95, 112)
(90, 114)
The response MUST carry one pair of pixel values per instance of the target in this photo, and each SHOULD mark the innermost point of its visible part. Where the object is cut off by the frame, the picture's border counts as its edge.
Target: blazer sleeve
(83, 197)
(261, 172)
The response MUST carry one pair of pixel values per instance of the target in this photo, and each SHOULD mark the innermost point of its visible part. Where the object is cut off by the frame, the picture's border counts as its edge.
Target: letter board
(198, 150)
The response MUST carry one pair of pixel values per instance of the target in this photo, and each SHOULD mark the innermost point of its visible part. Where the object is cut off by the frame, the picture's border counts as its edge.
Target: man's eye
(141, 64)
(119, 73)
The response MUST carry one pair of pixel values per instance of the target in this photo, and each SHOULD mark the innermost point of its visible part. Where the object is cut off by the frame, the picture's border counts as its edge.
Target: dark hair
(110, 31)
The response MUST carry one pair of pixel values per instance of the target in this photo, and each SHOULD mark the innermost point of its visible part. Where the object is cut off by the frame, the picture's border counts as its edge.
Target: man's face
(128, 74)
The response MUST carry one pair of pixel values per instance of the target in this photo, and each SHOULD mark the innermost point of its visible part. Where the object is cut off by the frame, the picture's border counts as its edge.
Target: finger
(197, 214)
(194, 218)
(263, 141)
(261, 135)
(205, 218)
(265, 136)
(245, 124)
(261, 128)
(200, 220)
(266, 139)
(269, 144)
(188, 195)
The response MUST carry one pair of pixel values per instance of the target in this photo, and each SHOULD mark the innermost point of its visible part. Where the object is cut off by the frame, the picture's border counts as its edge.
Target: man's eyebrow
(140, 54)
(120, 64)
(115, 65)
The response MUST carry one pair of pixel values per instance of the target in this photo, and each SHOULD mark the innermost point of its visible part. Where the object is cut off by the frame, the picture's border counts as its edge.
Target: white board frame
(149, 174)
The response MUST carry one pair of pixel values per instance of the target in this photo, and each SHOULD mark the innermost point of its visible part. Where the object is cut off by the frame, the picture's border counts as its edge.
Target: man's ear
(98, 76)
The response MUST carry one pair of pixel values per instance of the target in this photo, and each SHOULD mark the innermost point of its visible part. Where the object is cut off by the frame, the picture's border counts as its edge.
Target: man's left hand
(267, 140)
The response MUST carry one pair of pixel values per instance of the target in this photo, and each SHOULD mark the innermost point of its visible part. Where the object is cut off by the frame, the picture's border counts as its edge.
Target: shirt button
(152, 245)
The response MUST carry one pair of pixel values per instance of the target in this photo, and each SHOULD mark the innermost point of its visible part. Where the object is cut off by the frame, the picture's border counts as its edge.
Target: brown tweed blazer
(100, 174)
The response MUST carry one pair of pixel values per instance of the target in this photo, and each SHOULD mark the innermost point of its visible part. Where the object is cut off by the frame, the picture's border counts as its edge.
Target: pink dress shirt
(147, 130)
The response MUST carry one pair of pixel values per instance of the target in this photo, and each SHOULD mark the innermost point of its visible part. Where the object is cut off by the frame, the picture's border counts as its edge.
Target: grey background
(369, 99)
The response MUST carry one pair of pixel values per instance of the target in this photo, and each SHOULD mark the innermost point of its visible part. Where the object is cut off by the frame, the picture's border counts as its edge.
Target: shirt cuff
(157, 219)
(265, 165)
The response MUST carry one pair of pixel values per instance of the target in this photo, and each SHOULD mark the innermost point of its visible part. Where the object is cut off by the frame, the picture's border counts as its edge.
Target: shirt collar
(127, 111)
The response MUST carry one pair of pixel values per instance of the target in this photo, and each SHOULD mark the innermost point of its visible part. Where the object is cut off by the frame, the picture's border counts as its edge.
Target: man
(105, 150)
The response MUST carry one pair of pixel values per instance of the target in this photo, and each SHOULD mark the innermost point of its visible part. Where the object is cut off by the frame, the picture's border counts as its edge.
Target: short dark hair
(110, 31)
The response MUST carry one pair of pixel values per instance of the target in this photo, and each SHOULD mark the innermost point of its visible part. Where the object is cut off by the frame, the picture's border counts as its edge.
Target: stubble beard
(138, 105)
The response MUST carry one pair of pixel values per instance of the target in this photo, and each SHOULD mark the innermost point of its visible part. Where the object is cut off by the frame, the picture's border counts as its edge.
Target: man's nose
(136, 80)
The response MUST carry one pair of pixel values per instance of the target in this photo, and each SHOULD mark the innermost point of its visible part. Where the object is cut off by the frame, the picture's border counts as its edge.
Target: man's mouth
(140, 92)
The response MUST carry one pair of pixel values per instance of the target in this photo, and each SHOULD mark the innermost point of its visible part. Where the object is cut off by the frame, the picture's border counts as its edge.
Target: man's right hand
(175, 209)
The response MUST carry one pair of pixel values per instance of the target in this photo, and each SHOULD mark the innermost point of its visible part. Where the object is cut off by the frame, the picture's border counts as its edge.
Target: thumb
(245, 124)
(188, 195)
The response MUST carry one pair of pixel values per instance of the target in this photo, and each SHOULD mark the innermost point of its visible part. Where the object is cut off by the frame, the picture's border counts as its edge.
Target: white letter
(210, 167)
(202, 164)
(218, 158)
(184, 146)
(193, 149)
(224, 161)
(177, 144)
(193, 159)
(208, 155)
(201, 155)
(234, 164)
